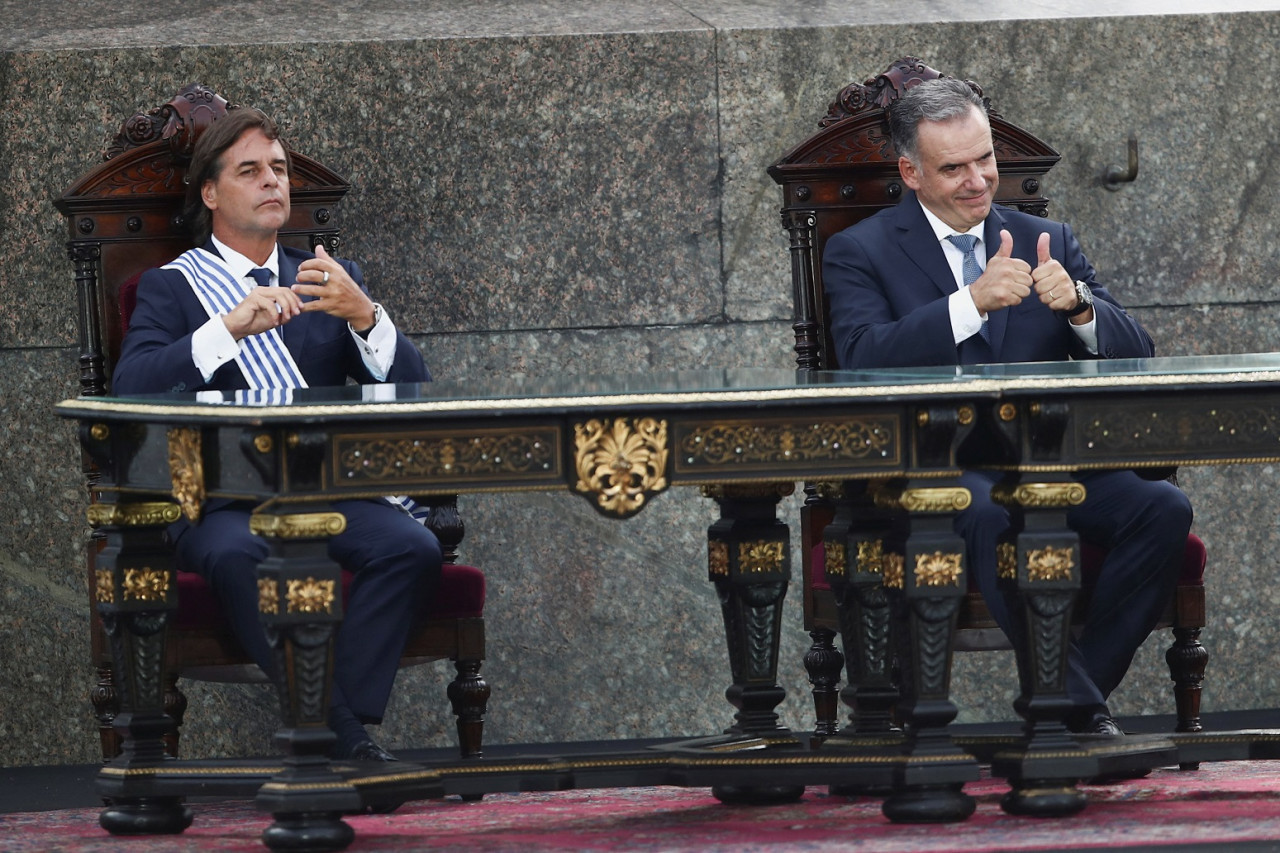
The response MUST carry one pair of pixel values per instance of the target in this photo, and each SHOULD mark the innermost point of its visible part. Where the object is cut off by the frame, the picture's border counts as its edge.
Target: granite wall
(593, 198)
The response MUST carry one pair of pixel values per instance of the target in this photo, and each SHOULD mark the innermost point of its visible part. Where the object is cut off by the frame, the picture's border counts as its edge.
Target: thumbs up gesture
(1054, 287)
(1005, 282)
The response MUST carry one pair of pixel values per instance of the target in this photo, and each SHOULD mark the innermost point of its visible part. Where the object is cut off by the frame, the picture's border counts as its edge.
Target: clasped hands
(321, 277)
(1008, 280)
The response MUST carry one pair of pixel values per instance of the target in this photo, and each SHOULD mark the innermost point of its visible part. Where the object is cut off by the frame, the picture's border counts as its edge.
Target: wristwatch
(1085, 295)
(377, 318)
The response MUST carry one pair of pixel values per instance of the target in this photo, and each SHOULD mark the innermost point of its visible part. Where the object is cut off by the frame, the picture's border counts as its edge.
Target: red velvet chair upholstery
(125, 216)
(840, 175)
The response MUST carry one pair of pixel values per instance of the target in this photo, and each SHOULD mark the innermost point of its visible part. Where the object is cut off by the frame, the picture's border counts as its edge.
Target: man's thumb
(1006, 245)
(1042, 249)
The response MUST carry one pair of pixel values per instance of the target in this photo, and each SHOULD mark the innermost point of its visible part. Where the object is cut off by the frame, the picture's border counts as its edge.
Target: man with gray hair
(947, 277)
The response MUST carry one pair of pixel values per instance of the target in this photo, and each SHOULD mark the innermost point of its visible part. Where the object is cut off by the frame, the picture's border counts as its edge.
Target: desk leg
(926, 584)
(854, 546)
(136, 592)
(300, 601)
(1042, 562)
(749, 561)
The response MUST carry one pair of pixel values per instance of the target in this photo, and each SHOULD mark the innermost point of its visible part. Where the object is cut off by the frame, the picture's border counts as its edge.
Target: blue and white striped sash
(264, 359)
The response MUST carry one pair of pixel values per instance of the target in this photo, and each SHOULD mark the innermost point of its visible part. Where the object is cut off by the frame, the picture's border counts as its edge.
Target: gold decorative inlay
(620, 464)
(922, 417)
(964, 415)
(1039, 495)
(764, 442)
(145, 584)
(718, 558)
(894, 570)
(761, 557)
(263, 443)
(435, 456)
(938, 499)
(268, 601)
(149, 514)
(99, 432)
(871, 556)
(830, 490)
(309, 596)
(186, 470)
(1007, 560)
(104, 589)
(834, 558)
(303, 525)
(1007, 411)
(938, 569)
(1049, 564)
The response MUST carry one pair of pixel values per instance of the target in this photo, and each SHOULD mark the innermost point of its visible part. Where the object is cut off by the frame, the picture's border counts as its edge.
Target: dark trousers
(395, 562)
(1143, 524)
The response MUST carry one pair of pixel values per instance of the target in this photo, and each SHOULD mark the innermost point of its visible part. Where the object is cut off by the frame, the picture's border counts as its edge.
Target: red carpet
(1221, 804)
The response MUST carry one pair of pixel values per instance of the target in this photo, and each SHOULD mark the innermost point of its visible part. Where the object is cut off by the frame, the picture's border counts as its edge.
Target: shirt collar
(240, 265)
(942, 230)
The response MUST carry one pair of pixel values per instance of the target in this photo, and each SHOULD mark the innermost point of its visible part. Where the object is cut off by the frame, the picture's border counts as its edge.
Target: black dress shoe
(367, 750)
(1103, 724)
(1096, 723)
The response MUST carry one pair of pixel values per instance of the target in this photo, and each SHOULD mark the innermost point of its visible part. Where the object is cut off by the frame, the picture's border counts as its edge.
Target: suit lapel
(920, 245)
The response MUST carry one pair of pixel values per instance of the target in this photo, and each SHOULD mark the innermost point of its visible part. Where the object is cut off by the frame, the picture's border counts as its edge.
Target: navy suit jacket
(887, 282)
(156, 353)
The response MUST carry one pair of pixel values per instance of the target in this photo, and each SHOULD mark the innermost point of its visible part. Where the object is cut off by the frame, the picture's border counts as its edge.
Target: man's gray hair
(942, 99)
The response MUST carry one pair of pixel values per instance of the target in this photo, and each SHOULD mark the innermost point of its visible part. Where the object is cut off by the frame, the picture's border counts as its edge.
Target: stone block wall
(539, 188)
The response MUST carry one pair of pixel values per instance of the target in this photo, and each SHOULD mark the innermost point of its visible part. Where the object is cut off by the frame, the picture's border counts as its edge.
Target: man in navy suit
(243, 312)
(946, 277)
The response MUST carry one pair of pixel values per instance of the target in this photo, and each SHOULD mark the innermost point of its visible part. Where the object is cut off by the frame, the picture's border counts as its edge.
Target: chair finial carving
(876, 93)
(181, 121)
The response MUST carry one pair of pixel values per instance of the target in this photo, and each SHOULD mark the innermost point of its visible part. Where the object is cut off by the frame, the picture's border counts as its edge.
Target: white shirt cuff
(212, 346)
(1088, 333)
(965, 319)
(378, 350)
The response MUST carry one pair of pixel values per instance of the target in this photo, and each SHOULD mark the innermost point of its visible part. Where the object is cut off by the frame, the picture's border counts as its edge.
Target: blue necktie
(970, 269)
(263, 276)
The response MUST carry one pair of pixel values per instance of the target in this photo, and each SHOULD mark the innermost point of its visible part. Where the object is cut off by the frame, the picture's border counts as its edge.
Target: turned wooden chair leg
(469, 695)
(1187, 660)
(824, 663)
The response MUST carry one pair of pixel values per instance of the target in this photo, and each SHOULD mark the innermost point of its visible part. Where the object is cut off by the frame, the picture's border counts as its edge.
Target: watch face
(1084, 293)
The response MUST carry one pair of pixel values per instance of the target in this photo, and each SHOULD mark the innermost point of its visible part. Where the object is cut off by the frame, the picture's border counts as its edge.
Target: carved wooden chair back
(840, 175)
(125, 217)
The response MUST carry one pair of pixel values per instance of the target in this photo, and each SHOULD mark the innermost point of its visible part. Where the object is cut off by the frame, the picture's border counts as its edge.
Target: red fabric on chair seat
(460, 595)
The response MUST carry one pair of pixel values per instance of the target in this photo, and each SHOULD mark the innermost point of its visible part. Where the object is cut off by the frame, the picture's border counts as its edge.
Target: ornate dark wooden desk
(744, 437)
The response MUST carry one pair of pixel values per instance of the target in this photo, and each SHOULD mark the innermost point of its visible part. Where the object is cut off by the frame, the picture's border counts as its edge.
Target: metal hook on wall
(1116, 176)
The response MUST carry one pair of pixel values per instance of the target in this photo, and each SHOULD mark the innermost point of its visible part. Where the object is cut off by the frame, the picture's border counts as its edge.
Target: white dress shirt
(212, 345)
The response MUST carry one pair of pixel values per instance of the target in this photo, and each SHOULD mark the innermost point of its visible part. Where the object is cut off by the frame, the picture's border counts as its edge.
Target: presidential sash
(264, 359)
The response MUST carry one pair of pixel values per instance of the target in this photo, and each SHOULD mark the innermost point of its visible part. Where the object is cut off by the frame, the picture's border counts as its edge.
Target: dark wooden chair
(842, 174)
(125, 216)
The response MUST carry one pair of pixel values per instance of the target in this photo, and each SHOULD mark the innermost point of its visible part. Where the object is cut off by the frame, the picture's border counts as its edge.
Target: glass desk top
(709, 386)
